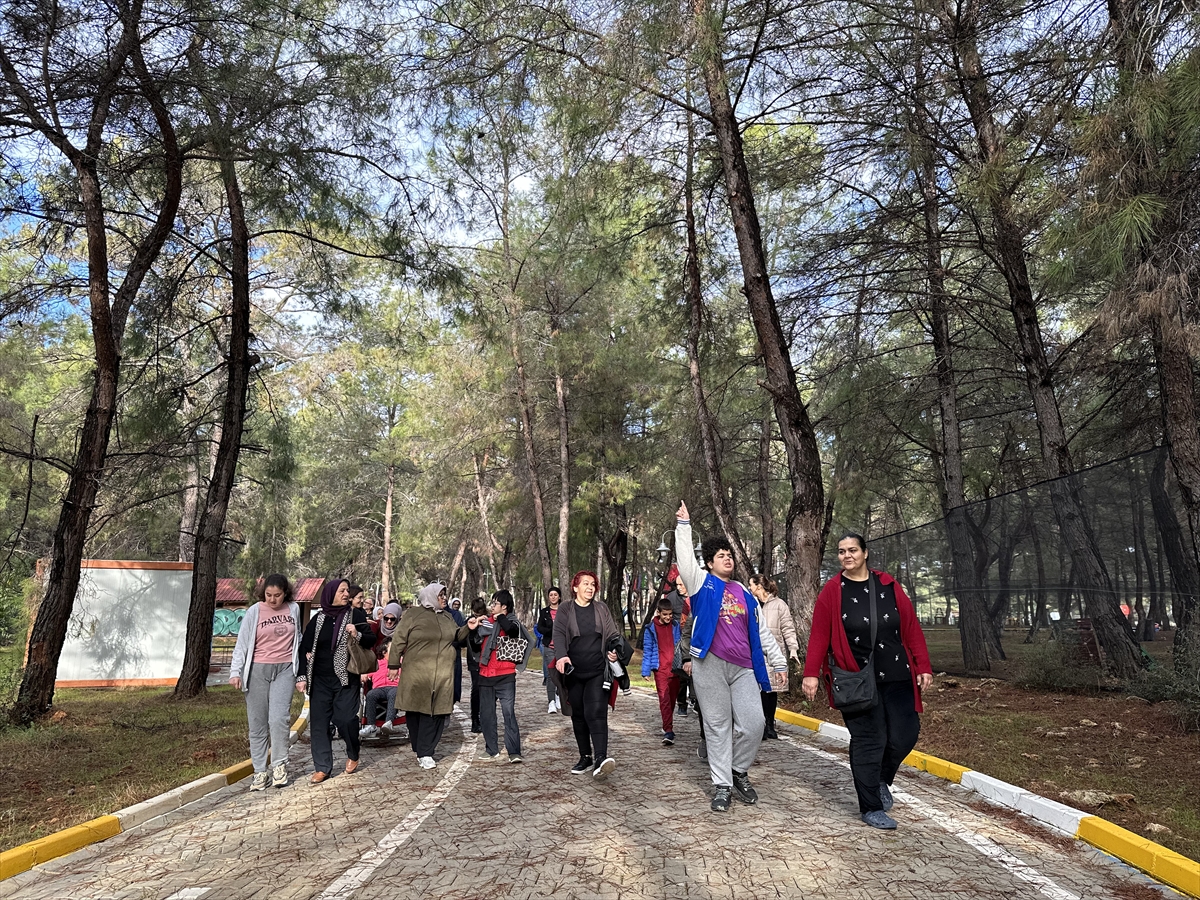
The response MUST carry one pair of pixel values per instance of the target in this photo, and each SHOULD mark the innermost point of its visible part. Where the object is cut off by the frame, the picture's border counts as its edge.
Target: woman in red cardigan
(880, 737)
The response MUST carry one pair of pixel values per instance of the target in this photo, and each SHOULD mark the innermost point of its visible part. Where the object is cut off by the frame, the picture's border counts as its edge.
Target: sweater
(828, 634)
(243, 651)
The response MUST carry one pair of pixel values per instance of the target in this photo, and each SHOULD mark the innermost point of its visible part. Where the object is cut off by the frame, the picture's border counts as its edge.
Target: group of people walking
(725, 643)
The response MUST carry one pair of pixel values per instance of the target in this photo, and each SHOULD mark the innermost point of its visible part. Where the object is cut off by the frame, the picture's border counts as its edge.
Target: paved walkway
(471, 829)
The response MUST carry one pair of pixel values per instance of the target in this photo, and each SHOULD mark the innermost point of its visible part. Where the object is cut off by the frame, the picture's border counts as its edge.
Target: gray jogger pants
(268, 711)
(733, 718)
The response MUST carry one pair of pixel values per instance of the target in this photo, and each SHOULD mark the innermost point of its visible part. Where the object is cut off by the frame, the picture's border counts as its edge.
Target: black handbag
(856, 692)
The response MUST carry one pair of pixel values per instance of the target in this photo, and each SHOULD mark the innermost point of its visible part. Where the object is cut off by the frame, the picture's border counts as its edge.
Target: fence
(1132, 507)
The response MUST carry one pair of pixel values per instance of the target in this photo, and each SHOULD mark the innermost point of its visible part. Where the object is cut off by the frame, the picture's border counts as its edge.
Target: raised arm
(689, 570)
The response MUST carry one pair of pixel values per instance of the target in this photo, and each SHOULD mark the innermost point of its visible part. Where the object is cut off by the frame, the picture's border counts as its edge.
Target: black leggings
(589, 715)
(770, 703)
(880, 738)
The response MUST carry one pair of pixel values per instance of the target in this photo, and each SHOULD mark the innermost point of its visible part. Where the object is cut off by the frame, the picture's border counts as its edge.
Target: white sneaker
(279, 778)
(557, 704)
(386, 729)
(426, 762)
(552, 708)
(368, 731)
(259, 781)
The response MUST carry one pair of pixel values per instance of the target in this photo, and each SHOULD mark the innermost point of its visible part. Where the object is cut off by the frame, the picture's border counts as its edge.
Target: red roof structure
(232, 591)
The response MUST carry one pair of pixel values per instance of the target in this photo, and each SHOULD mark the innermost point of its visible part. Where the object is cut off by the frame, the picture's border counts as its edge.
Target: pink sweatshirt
(380, 678)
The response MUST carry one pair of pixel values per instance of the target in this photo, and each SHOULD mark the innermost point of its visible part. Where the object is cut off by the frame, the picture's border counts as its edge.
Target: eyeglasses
(389, 618)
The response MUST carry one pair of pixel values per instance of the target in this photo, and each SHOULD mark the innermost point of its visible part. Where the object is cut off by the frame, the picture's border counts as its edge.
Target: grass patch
(107, 749)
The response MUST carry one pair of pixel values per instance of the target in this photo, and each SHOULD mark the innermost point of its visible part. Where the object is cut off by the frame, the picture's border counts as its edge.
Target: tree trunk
(968, 555)
(49, 629)
(457, 570)
(766, 553)
(385, 575)
(233, 420)
(525, 409)
(806, 528)
(1122, 656)
(704, 416)
(564, 482)
(1180, 561)
(616, 552)
(481, 499)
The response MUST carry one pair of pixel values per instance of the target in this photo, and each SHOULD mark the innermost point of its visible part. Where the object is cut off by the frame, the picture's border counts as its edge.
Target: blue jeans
(506, 693)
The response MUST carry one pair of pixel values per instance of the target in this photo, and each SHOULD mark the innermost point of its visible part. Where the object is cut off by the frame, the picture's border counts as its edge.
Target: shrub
(1162, 684)
(1056, 666)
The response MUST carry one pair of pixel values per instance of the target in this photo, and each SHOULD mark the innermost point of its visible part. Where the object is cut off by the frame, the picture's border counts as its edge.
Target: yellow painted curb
(1154, 859)
(935, 766)
(234, 774)
(786, 715)
(26, 856)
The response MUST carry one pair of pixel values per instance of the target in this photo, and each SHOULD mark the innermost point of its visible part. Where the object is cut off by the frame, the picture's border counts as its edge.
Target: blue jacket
(706, 606)
(650, 659)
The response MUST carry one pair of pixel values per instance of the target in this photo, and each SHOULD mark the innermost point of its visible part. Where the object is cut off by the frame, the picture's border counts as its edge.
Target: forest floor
(103, 750)
(1106, 752)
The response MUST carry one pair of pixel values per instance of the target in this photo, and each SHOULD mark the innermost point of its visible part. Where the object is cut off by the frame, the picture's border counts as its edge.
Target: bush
(1162, 684)
(1055, 666)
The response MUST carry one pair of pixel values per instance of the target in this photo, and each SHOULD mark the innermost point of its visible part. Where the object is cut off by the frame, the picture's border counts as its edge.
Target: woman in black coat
(333, 691)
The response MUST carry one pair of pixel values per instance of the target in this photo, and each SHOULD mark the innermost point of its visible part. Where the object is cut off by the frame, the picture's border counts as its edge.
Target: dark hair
(767, 583)
(554, 588)
(275, 581)
(580, 574)
(505, 599)
(665, 603)
(478, 607)
(714, 545)
(355, 590)
(854, 536)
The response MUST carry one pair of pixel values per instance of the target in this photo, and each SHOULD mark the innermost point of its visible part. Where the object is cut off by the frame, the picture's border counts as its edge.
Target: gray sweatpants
(268, 710)
(733, 717)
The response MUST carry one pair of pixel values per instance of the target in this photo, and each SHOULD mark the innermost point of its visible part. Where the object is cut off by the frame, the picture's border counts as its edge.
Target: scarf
(392, 609)
(336, 613)
(427, 596)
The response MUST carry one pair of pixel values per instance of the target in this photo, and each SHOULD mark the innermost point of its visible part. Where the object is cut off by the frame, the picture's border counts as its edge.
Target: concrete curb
(25, 856)
(1155, 860)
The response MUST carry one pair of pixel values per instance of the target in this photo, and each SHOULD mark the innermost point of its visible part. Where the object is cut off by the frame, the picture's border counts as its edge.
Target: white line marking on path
(949, 823)
(358, 874)
(192, 893)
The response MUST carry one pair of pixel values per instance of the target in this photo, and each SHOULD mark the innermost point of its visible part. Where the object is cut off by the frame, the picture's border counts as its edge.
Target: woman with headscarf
(333, 691)
(425, 639)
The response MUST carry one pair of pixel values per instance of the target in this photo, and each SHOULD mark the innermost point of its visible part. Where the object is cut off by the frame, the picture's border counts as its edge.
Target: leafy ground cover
(1106, 752)
(103, 750)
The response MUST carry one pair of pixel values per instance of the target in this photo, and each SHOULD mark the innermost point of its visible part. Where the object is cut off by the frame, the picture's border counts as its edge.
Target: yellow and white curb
(1155, 860)
(24, 857)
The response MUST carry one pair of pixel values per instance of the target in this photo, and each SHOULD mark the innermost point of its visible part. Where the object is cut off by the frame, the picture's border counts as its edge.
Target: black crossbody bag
(856, 692)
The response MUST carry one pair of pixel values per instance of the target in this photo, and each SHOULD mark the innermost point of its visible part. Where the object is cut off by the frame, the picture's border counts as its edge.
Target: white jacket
(243, 651)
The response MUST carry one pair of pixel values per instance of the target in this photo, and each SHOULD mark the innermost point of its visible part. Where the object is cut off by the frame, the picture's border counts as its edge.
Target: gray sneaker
(259, 781)
(877, 818)
(279, 776)
(702, 749)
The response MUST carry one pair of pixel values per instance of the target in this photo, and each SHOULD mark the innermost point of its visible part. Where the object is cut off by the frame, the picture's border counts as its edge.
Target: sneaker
(426, 762)
(722, 798)
(885, 795)
(585, 763)
(877, 818)
(259, 781)
(682, 711)
(487, 757)
(702, 749)
(369, 731)
(279, 777)
(515, 759)
(769, 733)
(668, 738)
(386, 729)
(603, 770)
(557, 704)
(551, 708)
(741, 787)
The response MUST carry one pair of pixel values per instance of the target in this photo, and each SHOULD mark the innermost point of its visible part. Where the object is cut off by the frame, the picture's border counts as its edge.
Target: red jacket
(828, 632)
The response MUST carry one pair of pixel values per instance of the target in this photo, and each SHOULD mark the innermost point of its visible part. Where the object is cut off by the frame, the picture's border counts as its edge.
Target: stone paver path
(472, 829)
